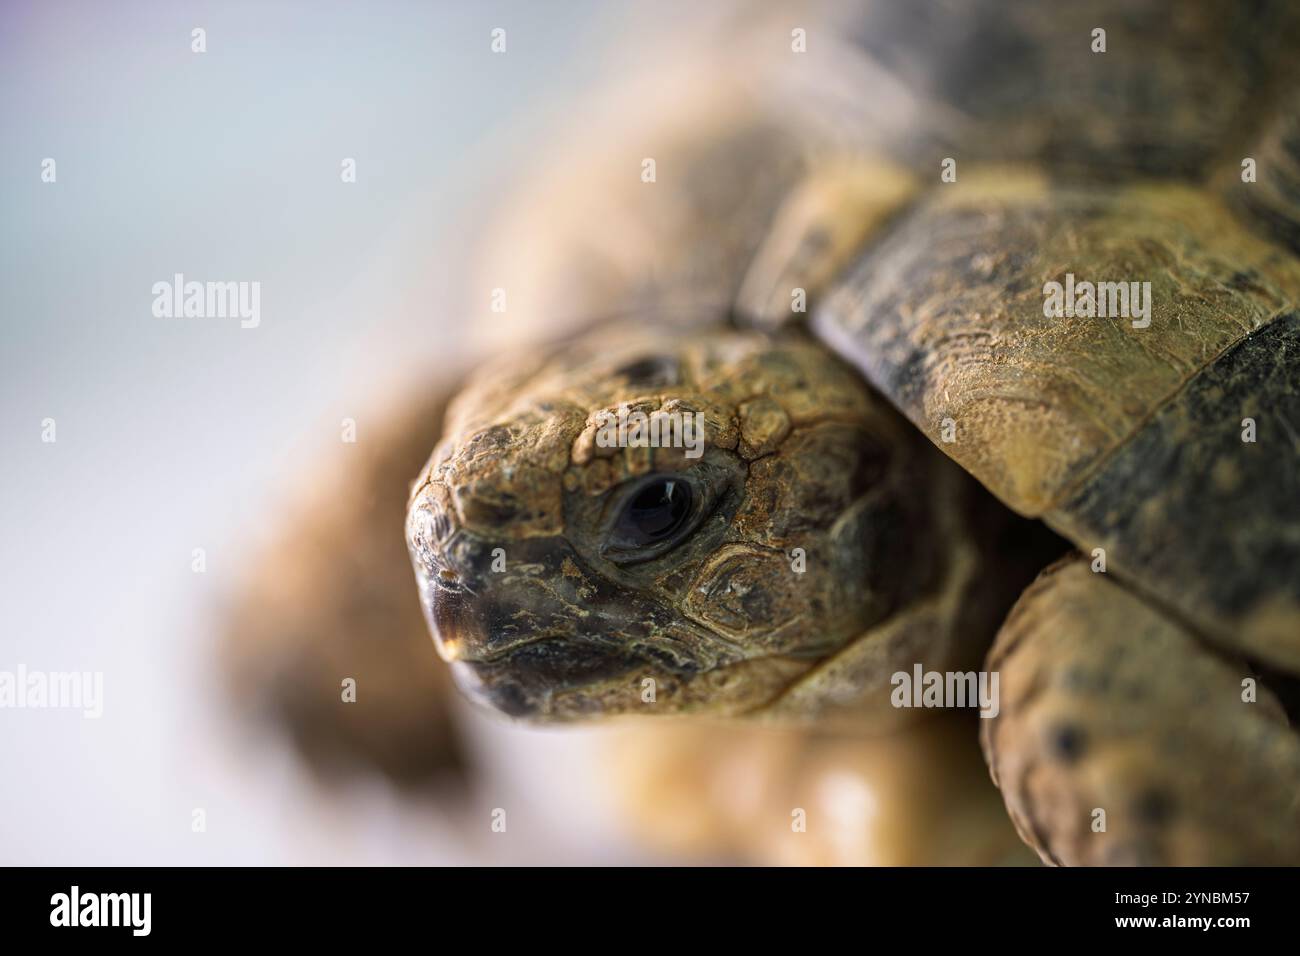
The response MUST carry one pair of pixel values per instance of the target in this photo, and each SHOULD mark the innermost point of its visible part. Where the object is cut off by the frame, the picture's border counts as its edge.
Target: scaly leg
(1123, 739)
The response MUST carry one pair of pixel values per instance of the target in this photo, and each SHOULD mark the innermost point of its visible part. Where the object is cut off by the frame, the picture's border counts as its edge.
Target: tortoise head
(638, 523)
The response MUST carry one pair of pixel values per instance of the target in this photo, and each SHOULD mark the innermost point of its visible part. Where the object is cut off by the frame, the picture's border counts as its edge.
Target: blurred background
(178, 434)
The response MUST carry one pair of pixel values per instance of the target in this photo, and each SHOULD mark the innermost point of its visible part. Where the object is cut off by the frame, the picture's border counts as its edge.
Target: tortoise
(832, 249)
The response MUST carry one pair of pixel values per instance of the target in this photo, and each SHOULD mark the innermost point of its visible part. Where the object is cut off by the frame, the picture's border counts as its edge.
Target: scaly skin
(510, 528)
(1124, 740)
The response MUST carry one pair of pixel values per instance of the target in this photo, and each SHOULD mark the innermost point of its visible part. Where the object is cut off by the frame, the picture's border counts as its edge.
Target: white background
(176, 435)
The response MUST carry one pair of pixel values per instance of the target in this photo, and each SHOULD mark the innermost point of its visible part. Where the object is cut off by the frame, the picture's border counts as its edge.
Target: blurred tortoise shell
(907, 180)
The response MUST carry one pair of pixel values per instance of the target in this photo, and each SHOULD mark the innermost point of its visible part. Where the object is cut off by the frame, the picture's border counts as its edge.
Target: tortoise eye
(654, 517)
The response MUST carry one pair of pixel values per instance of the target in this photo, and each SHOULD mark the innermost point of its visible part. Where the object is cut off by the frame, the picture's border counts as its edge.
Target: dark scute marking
(1207, 522)
(933, 46)
(1068, 743)
(1275, 214)
(1271, 204)
(929, 252)
(1175, 84)
(1244, 281)
(1155, 807)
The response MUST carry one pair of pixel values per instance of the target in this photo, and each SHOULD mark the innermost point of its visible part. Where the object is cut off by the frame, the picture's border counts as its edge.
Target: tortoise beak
(459, 634)
(452, 622)
(550, 677)
(511, 634)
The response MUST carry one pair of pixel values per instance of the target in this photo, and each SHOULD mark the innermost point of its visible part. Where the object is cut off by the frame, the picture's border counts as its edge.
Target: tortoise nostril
(430, 533)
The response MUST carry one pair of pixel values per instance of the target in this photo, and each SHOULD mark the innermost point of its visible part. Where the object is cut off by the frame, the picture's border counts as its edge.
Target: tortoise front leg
(324, 638)
(1123, 739)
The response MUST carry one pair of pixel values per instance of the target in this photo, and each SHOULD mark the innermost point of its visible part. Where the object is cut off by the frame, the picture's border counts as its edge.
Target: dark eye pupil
(657, 511)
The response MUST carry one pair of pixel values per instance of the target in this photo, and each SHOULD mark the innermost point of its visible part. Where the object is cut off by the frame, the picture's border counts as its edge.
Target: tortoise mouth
(461, 635)
(546, 677)
(520, 671)
(500, 655)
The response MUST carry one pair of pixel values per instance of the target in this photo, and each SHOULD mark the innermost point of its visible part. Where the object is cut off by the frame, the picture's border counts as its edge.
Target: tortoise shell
(910, 185)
